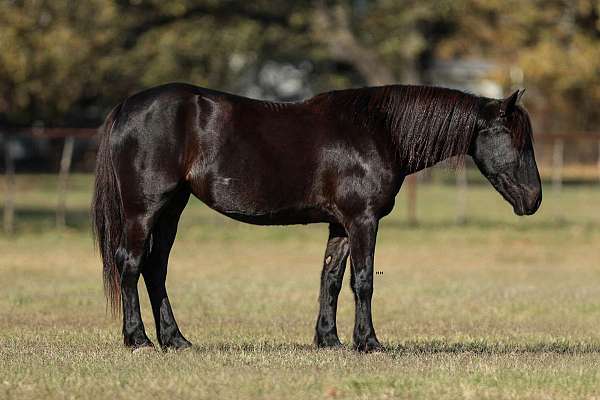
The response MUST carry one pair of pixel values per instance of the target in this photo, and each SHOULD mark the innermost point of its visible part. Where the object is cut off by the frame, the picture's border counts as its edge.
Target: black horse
(339, 158)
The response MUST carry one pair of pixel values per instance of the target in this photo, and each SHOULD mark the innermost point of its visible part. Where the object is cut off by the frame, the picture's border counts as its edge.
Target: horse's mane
(426, 124)
(519, 126)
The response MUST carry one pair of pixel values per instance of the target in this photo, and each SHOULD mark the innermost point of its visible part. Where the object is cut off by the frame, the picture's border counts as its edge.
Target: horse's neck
(411, 163)
(421, 149)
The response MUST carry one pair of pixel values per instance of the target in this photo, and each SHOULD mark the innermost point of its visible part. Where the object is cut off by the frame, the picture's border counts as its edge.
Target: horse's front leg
(332, 275)
(363, 233)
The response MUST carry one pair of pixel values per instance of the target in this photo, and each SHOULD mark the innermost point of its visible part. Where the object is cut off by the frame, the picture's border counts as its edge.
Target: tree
(556, 45)
(66, 62)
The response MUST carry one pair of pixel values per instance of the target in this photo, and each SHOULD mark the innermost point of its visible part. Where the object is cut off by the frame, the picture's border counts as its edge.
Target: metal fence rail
(70, 135)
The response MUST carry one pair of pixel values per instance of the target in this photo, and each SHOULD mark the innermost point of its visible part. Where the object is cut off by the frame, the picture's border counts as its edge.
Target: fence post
(557, 165)
(411, 192)
(598, 164)
(9, 196)
(63, 178)
(461, 201)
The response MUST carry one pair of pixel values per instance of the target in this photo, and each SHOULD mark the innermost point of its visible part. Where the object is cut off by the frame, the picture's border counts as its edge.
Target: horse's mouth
(525, 200)
(518, 204)
(529, 201)
(519, 209)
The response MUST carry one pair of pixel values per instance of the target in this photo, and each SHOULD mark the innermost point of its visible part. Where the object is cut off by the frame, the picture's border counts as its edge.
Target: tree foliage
(66, 62)
(555, 43)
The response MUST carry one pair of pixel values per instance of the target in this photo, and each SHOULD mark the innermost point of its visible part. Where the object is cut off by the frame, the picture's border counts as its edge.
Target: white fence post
(63, 179)
(461, 201)
(9, 195)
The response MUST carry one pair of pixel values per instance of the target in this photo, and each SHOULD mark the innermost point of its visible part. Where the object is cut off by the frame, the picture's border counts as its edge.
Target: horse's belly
(279, 217)
(260, 204)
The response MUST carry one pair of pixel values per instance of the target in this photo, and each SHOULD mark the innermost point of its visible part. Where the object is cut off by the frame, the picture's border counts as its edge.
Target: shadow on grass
(430, 347)
(253, 347)
(492, 348)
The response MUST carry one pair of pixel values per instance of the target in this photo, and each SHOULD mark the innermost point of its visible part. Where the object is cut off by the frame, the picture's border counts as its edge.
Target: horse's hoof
(177, 344)
(327, 342)
(370, 345)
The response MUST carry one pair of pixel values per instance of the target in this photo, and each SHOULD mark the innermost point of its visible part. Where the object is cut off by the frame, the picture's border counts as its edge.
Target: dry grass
(501, 307)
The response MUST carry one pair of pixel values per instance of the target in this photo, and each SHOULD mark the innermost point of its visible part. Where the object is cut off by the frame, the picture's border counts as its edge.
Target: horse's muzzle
(529, 202)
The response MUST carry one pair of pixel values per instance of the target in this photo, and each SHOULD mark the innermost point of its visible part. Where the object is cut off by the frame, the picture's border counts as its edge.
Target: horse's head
(502, 148)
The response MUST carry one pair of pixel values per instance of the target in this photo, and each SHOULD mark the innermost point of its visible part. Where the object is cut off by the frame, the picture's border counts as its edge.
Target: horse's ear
(508, 104)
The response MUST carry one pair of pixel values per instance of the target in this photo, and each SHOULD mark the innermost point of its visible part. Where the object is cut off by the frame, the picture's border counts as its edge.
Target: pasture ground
(501, 307)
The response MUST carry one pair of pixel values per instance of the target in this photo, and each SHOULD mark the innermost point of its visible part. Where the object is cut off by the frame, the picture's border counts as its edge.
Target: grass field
(501, 307)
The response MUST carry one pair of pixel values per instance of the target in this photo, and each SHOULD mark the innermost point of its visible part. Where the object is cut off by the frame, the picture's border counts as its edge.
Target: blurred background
(64, 64)
(474, 301)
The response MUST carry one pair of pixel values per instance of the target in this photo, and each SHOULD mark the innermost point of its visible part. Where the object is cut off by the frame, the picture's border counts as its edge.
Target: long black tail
(107, 214)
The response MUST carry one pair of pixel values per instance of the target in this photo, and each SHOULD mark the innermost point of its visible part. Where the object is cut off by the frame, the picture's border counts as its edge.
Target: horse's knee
(333, 283)
(363, 291)
(362, 284)
(332, 276)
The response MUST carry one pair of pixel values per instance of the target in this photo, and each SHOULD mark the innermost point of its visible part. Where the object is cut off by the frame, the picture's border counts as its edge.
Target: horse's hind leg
(155, 272)
(142, 210)
(334, 265)
(130, 257)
